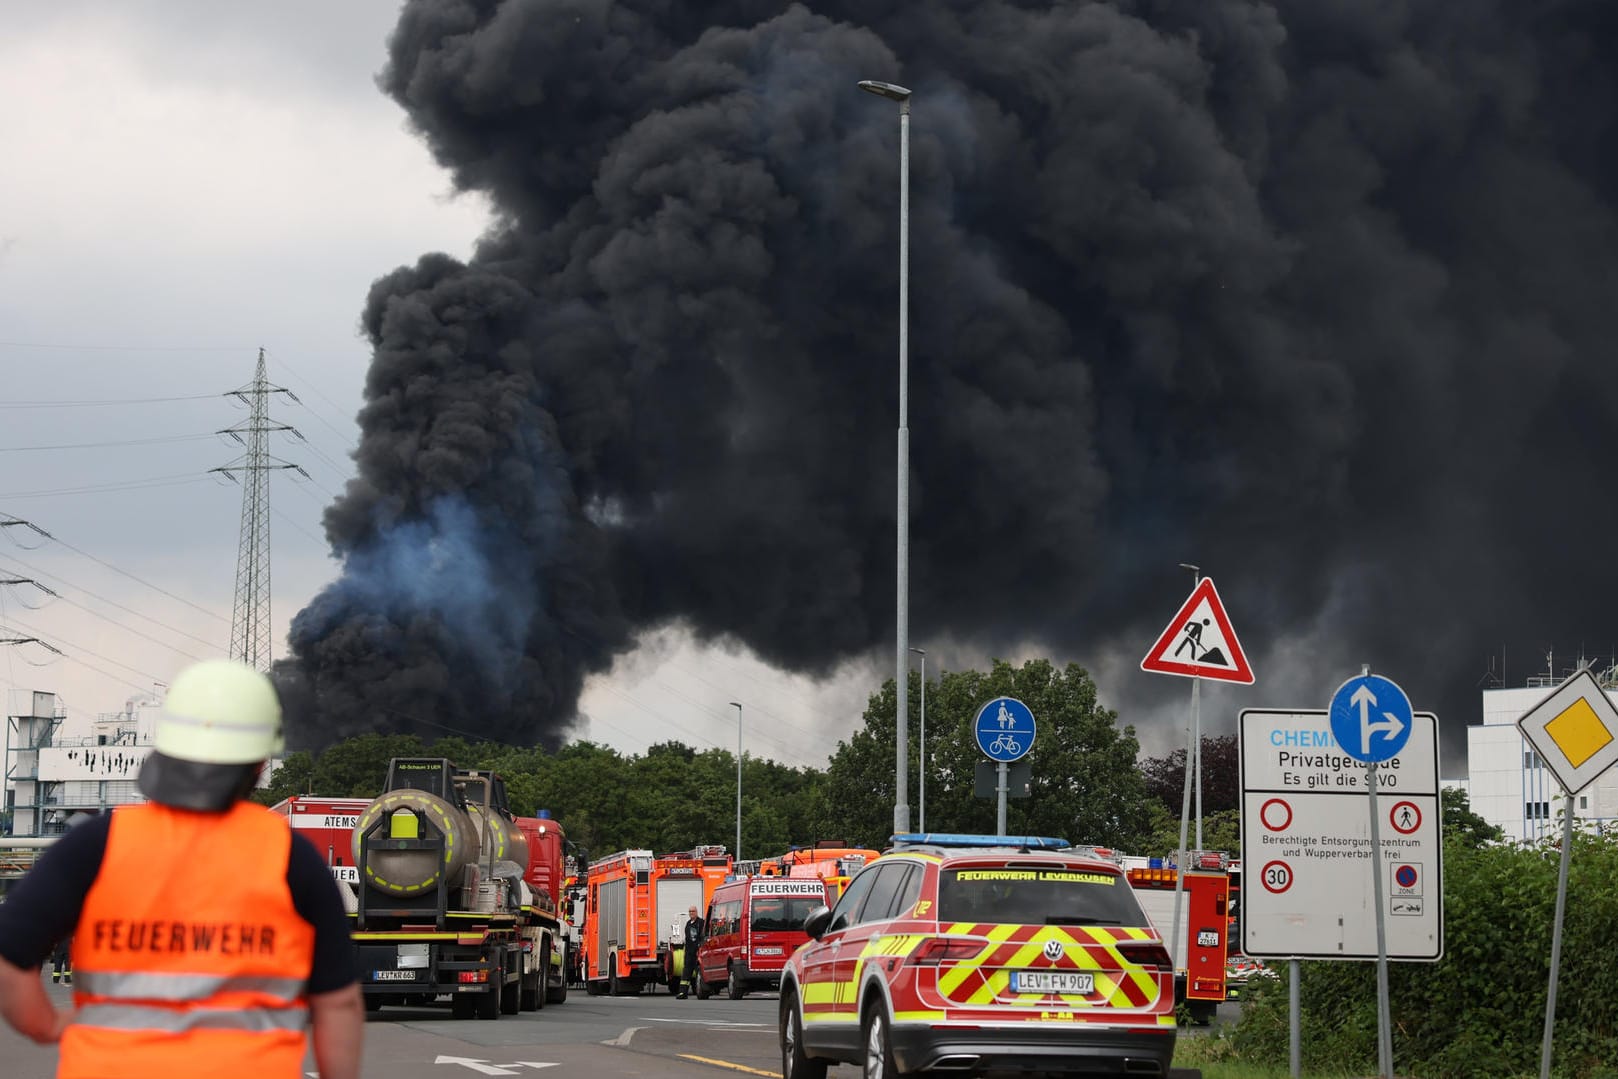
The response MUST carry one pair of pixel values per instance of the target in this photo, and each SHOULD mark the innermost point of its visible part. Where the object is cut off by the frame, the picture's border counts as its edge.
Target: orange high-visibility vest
(190, 960)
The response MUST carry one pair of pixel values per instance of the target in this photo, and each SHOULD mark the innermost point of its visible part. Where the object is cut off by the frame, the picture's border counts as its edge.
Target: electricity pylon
(250, 616)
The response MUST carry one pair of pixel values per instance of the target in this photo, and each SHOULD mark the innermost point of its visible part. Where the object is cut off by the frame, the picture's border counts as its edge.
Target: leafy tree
(1460, 824)
(1221, 777)
(295, 776)
(1221, 831)
(1085, 785)
(358, 767)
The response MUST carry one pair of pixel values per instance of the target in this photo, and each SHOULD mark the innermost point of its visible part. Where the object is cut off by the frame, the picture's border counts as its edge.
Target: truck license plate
(1051, 981)
(393, 976)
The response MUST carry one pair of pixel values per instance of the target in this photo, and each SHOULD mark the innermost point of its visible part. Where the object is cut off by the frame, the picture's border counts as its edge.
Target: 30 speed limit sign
(1276, 877)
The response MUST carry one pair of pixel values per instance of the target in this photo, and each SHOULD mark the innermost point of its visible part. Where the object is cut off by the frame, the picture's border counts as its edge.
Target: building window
(1528, 760)
(1537, 810)
(1584, 801)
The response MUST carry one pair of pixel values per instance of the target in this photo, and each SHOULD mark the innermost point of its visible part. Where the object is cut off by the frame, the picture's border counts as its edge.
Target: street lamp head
(884, 89)
(919, 651)
(735, 704)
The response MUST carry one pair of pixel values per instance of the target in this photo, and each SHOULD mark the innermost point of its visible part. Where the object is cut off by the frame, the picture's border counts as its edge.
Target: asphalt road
(653, 1035)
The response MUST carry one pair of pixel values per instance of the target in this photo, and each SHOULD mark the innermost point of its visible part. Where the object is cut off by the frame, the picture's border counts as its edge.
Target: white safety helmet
(220, 720)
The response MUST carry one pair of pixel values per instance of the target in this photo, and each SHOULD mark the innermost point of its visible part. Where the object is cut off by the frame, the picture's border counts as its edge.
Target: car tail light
(945, 950)
(466, 977)
(1146, 953)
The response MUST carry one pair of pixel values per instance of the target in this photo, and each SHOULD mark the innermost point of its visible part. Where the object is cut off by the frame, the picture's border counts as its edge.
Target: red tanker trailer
(456, 895)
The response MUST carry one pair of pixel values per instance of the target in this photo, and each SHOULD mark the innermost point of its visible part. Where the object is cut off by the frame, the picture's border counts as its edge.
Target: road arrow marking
(482, 1066)
(623, 1039)
(536, 1064)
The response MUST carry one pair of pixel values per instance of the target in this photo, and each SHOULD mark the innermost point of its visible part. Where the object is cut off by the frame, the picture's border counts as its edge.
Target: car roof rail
(906, 840)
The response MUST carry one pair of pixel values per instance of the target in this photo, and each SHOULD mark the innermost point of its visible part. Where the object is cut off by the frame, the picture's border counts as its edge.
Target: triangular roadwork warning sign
(1199, 641)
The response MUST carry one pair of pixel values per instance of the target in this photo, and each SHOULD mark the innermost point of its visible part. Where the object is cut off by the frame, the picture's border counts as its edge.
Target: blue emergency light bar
(968, 839)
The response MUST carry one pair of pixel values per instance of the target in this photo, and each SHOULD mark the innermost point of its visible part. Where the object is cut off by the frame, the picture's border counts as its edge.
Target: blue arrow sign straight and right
(1005, 729)
(1371, 718)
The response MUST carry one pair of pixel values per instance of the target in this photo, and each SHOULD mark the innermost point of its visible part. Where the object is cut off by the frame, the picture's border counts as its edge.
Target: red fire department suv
(979, 953)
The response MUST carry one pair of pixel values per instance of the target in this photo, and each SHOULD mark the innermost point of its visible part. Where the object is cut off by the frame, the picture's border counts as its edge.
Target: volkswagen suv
(980, 953)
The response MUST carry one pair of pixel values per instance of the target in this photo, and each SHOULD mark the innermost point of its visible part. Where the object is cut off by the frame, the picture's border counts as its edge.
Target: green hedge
(1478, 1013)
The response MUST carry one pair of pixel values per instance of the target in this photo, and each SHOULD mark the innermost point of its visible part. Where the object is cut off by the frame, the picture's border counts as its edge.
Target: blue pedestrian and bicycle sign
(1005, 730)
(1370, 718)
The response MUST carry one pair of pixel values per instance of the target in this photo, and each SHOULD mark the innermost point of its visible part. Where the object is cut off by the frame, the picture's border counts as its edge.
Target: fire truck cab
(635, 907)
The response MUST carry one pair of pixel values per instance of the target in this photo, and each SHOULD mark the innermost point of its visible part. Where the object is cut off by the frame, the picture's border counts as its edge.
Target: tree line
(1090, 783)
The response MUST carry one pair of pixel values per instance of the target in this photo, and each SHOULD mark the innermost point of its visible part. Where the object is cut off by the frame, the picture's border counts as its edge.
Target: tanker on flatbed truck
(456, 895)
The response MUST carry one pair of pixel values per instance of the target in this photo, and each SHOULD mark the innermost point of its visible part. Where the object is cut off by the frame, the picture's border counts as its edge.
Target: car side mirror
(814, 923)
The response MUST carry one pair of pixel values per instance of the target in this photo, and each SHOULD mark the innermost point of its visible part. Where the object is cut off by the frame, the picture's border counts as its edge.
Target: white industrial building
(1510, 787)
(51, 777)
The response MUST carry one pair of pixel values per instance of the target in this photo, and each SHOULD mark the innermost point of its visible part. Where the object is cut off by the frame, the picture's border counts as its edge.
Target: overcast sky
(186, 183)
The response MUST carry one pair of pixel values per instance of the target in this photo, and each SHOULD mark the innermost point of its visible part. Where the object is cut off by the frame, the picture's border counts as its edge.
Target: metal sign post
(1556, 939)
(1371, 720)
(1384, 1017)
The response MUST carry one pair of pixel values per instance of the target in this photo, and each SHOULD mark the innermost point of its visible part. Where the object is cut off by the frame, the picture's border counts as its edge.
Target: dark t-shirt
(693, 934)
(44, 906)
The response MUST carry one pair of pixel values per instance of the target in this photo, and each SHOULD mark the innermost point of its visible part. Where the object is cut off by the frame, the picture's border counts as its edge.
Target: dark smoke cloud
(1314, 293)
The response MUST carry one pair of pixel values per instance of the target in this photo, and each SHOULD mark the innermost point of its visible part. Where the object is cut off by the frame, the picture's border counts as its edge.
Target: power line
(107, 402)
(100, 445)
(18, 521)
(179, 479)
(69, 347)
(113, 603)
(80, 648)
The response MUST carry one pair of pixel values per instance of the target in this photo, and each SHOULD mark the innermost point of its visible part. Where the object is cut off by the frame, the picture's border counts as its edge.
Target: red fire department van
(753, 925)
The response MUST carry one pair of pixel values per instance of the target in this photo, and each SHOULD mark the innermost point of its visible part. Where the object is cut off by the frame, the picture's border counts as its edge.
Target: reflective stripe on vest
(179, 988)
(183, 1020)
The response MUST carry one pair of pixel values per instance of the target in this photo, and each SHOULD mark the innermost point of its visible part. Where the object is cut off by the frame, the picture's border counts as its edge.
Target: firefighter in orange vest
(208, 939)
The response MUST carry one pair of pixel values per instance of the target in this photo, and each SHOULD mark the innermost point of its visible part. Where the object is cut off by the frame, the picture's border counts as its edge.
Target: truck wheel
(511, 997)
(373, 1004)
(554, 994)
(614, 986)
(462, 1006)
(733, 984)
(795, 1061)
(488, 1002)
(533, 985)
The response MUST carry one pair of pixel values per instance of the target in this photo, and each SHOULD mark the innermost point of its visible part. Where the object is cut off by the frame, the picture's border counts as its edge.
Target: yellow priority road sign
(1574, 731)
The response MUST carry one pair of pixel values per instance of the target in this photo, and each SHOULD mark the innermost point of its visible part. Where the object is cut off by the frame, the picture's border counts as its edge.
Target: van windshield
(1055, 896)
(783, 913)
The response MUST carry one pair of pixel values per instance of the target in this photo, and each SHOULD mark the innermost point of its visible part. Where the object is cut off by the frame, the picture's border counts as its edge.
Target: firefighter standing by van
(206, 936)
(693, 938)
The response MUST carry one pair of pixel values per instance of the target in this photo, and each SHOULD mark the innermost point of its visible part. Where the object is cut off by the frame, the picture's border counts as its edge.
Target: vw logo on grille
(1053, 950)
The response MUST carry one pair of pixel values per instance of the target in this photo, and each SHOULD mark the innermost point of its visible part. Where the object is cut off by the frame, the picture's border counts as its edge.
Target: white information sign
(1306, 842)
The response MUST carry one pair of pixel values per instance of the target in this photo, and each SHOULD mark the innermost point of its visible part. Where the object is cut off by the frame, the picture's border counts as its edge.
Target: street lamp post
(921, 794)
(738, 707)
(901, 793)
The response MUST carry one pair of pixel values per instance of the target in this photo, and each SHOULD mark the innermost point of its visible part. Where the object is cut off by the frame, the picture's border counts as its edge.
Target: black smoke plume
(1317, 294)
